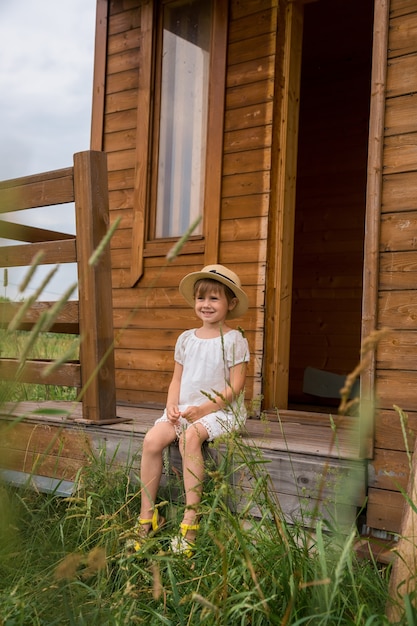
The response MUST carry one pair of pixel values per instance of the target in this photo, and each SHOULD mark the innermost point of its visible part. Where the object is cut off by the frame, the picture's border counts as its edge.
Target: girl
(204, 397)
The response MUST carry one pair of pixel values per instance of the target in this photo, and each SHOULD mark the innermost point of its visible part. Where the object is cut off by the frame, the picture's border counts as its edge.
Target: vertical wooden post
(374, 196)
(99, 77)
(143, 129)
(95, 292)
(215, 134)
(282, 211)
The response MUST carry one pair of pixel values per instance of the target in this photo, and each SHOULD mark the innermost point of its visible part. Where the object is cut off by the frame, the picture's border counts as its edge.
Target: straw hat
(223, 275)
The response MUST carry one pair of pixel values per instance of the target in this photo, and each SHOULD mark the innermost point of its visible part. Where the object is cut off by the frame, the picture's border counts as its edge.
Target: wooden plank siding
(144, 359)
(396, 363)
(44, 449)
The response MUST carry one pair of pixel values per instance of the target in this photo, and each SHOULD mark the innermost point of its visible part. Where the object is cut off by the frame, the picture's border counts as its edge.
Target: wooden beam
(67, 374)
(281, 242)
(65, 322)
(38, 190)
(53, 252)
(143, 125)
(215, 137)
(31, 234)
(374, 189)
(95, 290)
(99, 75)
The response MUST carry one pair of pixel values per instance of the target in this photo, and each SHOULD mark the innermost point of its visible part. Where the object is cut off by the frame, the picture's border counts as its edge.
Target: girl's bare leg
(193, 473)
(156, 439)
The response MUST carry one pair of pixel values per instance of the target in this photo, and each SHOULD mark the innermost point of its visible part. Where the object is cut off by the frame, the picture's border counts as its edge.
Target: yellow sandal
(181, 545)
(156, 522)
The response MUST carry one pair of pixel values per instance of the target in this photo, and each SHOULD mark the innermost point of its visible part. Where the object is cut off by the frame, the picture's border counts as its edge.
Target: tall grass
(63, 561)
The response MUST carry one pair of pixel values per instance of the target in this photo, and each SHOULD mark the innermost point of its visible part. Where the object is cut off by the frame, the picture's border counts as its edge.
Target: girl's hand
(192, 413)
(173, 413)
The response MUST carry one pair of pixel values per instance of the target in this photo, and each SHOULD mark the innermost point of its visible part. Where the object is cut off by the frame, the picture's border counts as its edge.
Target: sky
(46, 79)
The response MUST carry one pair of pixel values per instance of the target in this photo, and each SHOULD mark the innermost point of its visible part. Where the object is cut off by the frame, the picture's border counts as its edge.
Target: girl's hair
(204, 285)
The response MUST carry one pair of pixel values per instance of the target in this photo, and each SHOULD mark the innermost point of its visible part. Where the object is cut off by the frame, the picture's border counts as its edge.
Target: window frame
(147, 142)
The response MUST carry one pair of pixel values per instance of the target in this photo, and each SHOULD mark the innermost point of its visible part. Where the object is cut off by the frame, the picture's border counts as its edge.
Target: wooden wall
(149, 316)
(396, 374)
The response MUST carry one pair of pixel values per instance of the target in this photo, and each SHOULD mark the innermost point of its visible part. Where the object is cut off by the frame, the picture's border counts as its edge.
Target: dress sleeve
(180, 346)
(237, 350)
(179, 349)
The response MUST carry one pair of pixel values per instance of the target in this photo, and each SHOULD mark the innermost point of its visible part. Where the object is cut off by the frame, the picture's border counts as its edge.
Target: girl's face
(212, 305)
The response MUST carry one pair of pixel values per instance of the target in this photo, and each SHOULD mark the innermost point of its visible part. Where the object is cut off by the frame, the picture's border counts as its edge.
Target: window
(181, 158)
(179, 135)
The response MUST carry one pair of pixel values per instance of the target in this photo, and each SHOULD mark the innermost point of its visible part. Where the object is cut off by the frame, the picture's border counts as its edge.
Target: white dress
(206, 370)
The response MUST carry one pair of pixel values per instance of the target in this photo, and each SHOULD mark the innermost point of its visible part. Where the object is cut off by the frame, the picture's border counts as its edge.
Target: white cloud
(45, 82)
(46, 72)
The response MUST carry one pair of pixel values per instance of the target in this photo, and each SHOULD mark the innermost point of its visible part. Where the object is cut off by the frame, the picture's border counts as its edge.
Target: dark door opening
(330, 200)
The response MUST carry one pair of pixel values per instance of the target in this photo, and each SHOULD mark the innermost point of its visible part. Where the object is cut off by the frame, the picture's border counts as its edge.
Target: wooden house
(304, 122)
(290, 127)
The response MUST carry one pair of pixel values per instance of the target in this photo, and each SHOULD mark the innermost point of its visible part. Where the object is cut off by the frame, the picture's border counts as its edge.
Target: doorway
(329, 227)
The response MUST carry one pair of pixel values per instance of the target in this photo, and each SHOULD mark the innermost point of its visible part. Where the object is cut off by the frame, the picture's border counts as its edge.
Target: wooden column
(374, 190)
(99, 77)
(95, 291)
(282, 213)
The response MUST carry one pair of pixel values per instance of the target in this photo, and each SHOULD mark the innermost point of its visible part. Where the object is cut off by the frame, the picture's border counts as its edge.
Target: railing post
(95, 291)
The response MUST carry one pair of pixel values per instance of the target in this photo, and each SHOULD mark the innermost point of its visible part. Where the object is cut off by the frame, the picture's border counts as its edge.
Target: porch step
(44, 484)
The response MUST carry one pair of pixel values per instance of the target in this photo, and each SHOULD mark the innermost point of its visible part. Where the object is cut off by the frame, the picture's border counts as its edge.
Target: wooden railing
(84, 184)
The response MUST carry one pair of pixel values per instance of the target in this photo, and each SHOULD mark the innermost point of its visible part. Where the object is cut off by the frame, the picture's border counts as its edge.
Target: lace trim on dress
(207, 426)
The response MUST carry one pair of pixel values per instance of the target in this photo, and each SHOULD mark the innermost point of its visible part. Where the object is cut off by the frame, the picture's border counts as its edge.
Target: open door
(330, 200)
(318, 244)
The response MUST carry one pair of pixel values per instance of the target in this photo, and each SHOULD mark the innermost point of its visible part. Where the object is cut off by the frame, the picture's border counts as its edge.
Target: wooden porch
(312, 467)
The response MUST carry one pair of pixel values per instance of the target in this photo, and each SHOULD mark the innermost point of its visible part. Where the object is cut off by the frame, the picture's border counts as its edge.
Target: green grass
(63, 560)
(49, 346)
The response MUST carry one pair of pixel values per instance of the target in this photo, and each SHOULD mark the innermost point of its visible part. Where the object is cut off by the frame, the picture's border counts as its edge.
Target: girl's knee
(154, 442)
(190, 440)
(149, 444)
